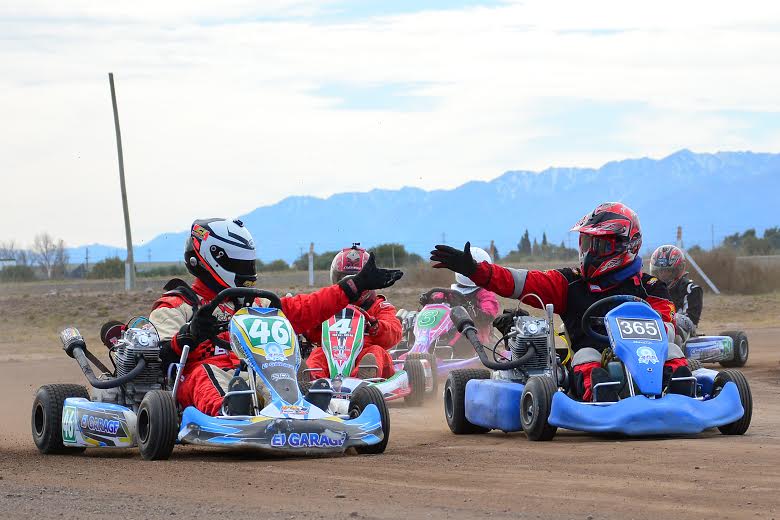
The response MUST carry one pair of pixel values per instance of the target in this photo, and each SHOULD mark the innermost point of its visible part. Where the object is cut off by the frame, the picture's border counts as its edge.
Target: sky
(227, 106)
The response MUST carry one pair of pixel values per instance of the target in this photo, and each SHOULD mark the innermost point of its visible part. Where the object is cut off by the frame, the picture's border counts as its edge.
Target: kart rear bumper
(281, 435)
(670, 415)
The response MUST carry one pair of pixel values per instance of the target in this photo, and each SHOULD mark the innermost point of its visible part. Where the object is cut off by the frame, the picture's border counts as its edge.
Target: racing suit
(486, 306)
(571, 296)
(202, 385)
(382, 334)
(688, 298)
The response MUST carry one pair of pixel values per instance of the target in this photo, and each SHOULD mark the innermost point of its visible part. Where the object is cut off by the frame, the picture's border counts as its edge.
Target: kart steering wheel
(249, 293)
(590, 314)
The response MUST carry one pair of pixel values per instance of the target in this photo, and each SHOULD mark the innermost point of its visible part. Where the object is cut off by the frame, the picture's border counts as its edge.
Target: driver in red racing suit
(220, 253)
(610, 239)
(383, 330)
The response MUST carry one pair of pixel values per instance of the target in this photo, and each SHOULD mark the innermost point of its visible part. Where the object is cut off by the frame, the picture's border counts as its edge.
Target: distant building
(7, 262)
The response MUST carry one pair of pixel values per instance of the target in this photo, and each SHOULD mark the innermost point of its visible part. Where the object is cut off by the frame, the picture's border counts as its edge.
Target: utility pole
(149, 255)
(86, 261)
(443, 237)
(712, 235)
(311, 265)
(129, 263)
(693, 262)
(392, 249)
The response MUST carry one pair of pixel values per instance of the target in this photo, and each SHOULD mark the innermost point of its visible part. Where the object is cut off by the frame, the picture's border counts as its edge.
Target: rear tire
(157, 425)
(358, 402)
(416, 372)
(535, 406)
(741, 349)
(455, 400)
(694, 364)
(46, 420)
(741, 425)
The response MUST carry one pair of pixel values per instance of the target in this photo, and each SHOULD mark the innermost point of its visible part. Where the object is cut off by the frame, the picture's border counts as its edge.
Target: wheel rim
(528, 408)
(449, 405)
(743, 349)
(39, 419)
(143, 425)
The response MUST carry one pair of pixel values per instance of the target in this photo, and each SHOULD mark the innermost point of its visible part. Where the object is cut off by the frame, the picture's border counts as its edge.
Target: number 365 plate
(639, 329)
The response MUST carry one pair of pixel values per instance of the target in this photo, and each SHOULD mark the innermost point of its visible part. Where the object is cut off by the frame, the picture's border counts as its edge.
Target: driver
(220, 253)
(668, 265)
(610, 240)
(383, 330)
(483, 301)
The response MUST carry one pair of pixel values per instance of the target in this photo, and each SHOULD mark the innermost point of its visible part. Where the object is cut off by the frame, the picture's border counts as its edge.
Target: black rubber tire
(455, 400)
(741, 349)
(305, 386)
(694, 364)
(157, 425)
(358, 401)
(741, 425)
(535, 406)
(46, 419)
(434, 368)
(416, 372)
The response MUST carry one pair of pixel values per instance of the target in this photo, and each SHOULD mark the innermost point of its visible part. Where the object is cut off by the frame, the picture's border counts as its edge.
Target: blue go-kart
(530, 389)
(134, 404)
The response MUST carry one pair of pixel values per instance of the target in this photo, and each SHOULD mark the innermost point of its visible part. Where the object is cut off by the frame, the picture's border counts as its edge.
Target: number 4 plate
(639, 329)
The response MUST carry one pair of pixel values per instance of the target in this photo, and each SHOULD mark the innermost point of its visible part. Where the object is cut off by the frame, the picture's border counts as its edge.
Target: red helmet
(668, 264)
(610, 238)
(346, 262)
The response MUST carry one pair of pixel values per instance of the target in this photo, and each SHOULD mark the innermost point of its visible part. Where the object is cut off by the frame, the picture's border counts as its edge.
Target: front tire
(694, 364)
(741, 349)
(535, 406)
(741, 425)
(358, 402)
(416, 372)
(157, 425)
(46, 420)
(431, 359)
(455, 400)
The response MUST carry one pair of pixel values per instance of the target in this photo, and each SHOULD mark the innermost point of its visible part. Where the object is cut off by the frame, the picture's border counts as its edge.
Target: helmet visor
(239, 267)
(665, 274)
(598, 246)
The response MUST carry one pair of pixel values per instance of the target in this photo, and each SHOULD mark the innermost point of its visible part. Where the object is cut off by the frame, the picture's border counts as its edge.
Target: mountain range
(709, 195)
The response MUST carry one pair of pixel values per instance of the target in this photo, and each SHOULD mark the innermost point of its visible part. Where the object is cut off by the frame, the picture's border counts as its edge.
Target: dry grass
(735, 275)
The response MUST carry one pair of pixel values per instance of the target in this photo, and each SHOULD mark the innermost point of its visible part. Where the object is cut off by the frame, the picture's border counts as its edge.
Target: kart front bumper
(670, 415)
(282, 435)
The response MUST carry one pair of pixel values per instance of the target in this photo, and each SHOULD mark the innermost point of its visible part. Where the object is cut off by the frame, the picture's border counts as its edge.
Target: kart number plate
(639, 329)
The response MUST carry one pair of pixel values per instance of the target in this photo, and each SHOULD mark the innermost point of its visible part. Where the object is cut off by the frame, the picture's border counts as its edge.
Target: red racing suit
(198, 386)
(571, 296)
(381, 336)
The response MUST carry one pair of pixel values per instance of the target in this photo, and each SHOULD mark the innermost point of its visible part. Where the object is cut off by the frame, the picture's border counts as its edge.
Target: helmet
(221, 253)
(463, 283)
(610, 238)
(347, 262)
(668, 264)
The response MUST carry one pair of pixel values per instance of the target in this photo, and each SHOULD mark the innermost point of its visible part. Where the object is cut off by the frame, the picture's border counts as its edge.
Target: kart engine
(528, 332)
(135, 343)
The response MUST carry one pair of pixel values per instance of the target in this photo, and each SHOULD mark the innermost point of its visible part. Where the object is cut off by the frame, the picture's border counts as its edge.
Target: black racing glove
(197, 331)
(506, 320)
(369, 278)
(454, 259)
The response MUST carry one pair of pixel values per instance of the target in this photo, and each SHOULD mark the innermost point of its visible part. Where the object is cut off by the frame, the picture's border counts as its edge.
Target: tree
(17, 273)
(524, 247)
(275, 266)
(535, 250)
(108, 268)
(50, 254)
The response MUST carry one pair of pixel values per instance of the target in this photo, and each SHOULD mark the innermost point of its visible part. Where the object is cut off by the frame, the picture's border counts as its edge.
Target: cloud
(225, 108)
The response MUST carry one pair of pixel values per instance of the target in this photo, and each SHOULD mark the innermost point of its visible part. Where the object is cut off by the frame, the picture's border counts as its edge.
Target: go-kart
(135, 405)
(430, 334)
(343, 338)
(532, 391)
(730, 349)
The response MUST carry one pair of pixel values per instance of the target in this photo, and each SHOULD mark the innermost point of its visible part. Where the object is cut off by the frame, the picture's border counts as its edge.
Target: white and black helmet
(221, 253)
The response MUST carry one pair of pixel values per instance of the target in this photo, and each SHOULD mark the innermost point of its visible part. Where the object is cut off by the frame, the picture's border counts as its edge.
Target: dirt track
(426, 472)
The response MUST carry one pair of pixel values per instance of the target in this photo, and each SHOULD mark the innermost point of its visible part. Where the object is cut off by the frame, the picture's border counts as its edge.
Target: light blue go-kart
(532, 391)
(135, 404)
